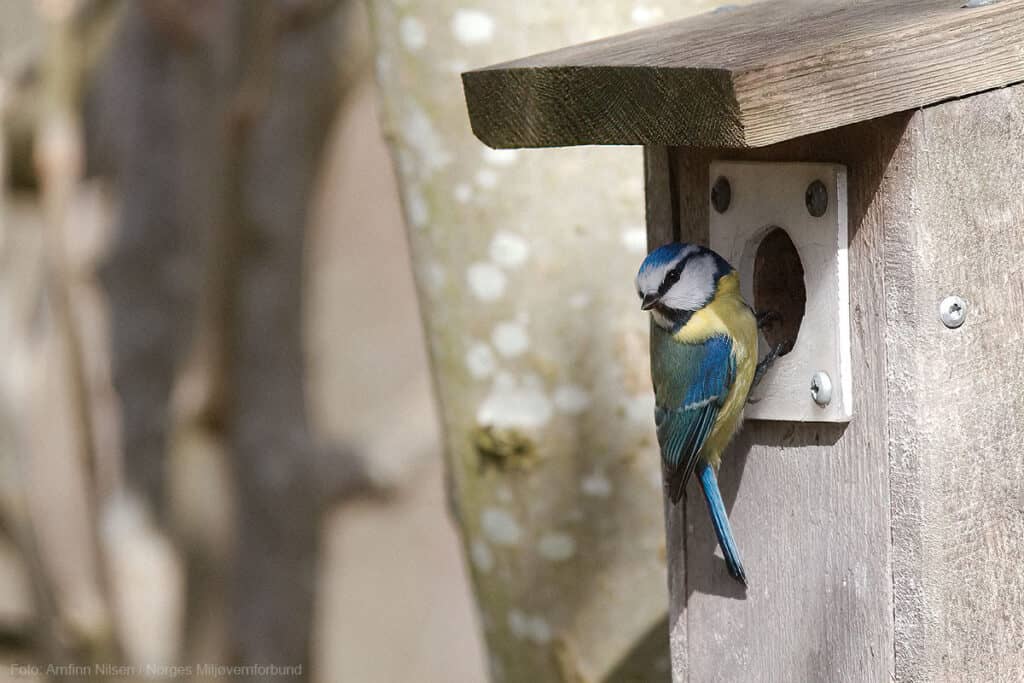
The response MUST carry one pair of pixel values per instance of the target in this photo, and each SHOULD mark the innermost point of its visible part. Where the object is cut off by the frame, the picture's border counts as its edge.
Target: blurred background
(219, 443)
(339, 237)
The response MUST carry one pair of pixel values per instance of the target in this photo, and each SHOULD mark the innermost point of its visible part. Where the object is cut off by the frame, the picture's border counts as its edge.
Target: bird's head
(677, 280)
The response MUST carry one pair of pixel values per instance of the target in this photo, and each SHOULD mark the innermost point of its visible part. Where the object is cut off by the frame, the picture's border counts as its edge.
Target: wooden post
(890, 547)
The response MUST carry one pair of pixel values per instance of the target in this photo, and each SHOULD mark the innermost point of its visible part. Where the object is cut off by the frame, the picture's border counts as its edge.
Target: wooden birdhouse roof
(750, 76)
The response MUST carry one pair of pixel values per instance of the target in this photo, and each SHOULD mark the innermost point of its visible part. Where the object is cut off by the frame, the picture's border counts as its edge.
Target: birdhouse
(861, 165)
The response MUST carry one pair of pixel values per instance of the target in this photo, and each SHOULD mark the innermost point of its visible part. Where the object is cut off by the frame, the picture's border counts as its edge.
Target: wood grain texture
(751, 76)
(956, 407)
(809, 503)
(891, 547)
(663, 227)
(660, 196)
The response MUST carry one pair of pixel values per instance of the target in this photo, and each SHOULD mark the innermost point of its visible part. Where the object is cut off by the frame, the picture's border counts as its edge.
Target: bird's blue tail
(709, 484)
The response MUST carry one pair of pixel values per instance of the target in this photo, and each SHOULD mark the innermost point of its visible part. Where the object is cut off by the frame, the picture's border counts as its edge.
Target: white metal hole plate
(767, 195)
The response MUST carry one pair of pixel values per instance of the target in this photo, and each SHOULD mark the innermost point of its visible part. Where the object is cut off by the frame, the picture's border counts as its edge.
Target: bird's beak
(649, 301)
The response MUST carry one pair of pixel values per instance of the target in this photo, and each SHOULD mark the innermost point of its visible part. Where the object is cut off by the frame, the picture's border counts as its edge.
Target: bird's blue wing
(691, 384)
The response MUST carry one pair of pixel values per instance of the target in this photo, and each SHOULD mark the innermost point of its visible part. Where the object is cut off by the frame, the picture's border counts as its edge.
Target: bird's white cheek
(687, 295)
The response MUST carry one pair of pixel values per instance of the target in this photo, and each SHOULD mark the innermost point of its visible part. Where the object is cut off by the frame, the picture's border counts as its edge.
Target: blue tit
(703, 362)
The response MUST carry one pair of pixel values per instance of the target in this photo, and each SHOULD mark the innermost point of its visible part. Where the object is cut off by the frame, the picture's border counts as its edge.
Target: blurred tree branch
(38, 80)
(210, 115)
(214, 115)
(44, 136)
(287, 96)
(76, 37)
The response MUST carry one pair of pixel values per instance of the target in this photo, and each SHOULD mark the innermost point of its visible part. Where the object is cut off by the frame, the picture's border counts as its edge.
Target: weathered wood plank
(662, 207)
(808, 502)
(915, 509)
(660, 196)
(956, 407)
(751, 76)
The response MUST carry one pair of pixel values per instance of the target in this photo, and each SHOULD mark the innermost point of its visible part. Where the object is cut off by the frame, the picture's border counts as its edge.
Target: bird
(703, 365)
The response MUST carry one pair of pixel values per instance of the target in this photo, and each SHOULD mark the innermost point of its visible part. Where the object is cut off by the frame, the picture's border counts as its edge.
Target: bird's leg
(767, 319)
(780, 349)
(764, 364)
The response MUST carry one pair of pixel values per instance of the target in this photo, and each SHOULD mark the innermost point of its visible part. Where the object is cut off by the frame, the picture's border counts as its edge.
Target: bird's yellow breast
(727, 314)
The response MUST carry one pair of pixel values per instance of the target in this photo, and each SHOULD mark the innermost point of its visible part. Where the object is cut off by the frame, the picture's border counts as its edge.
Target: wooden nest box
(862, 164)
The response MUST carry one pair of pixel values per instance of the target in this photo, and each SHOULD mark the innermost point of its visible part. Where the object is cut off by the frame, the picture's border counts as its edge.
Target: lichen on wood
(524, 262)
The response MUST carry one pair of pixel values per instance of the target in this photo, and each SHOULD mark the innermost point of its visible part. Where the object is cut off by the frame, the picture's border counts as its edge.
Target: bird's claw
(780, 349)
(767, 319)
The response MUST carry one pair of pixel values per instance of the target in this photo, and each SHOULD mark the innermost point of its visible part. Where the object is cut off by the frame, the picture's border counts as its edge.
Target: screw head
(953, 312)
(816, 199)
(721, 194)
(821, 388)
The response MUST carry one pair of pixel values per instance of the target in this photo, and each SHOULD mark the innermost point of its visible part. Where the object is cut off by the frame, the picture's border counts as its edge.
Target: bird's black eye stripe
(671, 277)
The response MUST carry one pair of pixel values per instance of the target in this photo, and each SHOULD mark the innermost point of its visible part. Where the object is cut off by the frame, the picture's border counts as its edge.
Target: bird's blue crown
(666, 253)
(680, 253)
